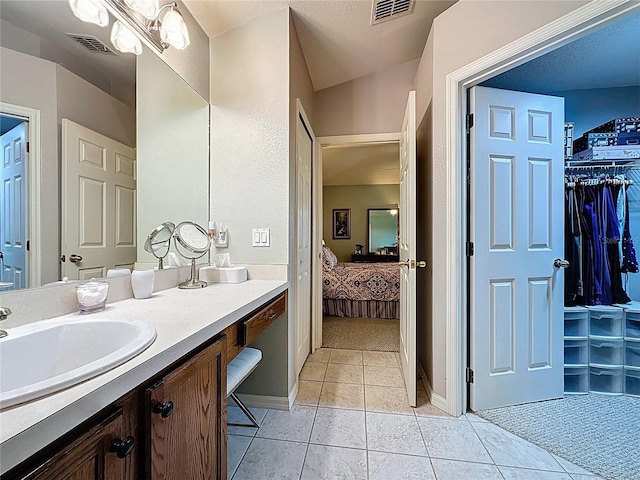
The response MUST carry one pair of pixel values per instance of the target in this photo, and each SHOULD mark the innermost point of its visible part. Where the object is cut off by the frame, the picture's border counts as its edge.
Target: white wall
(480, 28)
(371, 104)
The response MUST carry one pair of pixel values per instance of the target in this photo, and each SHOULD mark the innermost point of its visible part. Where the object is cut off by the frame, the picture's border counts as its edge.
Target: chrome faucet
(4, 313)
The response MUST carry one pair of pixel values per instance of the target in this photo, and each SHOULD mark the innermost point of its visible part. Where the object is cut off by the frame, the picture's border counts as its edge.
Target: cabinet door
(186, 415)
(93, 455)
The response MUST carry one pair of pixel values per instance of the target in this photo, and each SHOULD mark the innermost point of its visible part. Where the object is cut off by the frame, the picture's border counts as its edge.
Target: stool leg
(246, 411)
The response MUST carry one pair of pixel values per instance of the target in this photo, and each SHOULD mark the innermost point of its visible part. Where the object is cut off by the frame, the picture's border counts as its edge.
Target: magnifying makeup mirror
(192, 242)
(159, 241)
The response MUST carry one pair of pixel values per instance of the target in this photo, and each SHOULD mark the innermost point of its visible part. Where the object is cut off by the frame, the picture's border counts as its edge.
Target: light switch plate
(260, 237)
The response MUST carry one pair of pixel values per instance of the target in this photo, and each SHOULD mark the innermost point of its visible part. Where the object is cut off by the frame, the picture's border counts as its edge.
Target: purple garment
(629, 261)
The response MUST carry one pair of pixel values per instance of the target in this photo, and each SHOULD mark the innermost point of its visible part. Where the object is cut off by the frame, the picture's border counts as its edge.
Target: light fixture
(136, 21)
(90, 11)
(124, 39)
(173, 30)
(149, 9)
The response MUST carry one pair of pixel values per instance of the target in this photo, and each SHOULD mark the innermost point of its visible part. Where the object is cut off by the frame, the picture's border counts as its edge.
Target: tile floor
(352, 420)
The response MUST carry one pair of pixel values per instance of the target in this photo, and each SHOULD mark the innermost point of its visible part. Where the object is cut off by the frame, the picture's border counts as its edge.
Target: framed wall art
(342, 223)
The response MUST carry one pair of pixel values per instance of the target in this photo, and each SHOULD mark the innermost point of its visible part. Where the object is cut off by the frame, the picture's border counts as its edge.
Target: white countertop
(183, 319)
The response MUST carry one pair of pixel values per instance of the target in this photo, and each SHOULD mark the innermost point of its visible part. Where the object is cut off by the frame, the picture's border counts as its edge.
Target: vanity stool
(237, 370)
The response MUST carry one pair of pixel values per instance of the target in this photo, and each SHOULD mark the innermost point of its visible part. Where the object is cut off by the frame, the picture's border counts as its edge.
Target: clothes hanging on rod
(598, 242)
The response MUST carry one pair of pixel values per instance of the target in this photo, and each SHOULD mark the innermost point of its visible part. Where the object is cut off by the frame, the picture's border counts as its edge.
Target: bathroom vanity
(160, 415)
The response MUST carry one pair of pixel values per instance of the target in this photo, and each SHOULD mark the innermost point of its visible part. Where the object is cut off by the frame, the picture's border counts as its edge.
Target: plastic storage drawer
(605, 350)
(576, 380)
(605, 321)
(606, 380)
(631, 353)
(576, 351)
(631, 381)
(632, 324)
(576, 322)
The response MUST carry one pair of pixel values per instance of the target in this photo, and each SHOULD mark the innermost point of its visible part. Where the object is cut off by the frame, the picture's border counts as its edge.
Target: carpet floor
(600, 433)
(373, 334)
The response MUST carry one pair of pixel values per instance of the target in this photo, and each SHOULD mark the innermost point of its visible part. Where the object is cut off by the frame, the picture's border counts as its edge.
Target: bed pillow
(329, 259)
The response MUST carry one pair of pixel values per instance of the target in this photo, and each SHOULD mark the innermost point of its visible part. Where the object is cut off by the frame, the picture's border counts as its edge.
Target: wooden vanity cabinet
(186, 419)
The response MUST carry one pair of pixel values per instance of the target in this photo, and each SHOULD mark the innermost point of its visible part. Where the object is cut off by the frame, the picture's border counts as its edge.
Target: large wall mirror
(383, 230)
(106, 108)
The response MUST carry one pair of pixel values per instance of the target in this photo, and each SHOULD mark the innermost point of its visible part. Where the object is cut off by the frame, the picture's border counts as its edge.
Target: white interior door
(407, 244)
(13, 225)
(517, 220)
(98, 203)
(304, 153)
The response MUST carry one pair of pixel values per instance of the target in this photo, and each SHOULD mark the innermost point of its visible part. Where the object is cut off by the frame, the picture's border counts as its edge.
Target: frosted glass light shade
(173, 30)
(90, 11)
(124, 39)
(147, 8)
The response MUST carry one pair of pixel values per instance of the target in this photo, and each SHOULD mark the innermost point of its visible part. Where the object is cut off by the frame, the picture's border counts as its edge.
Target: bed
(370, 290)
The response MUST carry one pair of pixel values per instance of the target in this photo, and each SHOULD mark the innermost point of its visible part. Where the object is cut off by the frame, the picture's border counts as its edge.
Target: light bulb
(147, 8)
(90, 11)
(173, 30)
(124, 39)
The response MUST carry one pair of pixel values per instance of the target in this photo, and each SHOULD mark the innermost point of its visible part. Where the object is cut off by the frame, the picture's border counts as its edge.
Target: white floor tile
(294, 425)
(570, 467)
(387, 400)
(271, 459)
(385, 466)
(452, 439)
(339, 428)
(395, 434)
(235, 415)
(236, 448)
(342, 373)
(512, 473)
(511, 451)
(454, 470)
(331, 463)
(342, 395)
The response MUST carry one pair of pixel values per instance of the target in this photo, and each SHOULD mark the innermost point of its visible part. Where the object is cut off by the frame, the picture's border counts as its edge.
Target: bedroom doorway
(357, 181)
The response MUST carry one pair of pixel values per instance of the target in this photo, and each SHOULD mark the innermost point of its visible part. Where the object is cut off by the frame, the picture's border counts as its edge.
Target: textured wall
(358, 198)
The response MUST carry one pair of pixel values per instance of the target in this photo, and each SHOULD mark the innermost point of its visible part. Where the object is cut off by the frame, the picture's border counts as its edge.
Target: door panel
(516, 327)
(407, 250)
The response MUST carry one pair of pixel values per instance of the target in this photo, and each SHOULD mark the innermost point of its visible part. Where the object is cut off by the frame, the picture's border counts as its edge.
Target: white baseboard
(269, 401)
(436, 400)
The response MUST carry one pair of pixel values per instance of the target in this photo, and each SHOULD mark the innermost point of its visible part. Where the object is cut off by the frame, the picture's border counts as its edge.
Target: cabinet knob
(164, 409)
(122, 447)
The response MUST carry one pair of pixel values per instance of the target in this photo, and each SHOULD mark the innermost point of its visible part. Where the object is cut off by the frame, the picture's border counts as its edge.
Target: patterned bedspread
(362, 281)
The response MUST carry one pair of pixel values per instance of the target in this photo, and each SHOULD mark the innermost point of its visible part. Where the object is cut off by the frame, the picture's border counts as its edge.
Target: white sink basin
(50, 355)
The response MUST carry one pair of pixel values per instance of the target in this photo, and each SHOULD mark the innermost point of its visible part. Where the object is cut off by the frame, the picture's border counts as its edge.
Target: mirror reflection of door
(13, 199)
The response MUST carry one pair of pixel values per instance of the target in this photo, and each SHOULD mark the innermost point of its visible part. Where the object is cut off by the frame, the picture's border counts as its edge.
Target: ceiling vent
(91, 43)
(384, 10)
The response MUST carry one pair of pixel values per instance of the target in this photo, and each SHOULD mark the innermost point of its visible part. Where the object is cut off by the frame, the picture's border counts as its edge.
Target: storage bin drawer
(605, 321)
(606, 380)
(632, 324)
(631, 381)
(605, 350)
(632, 353)
(576, 351)
(576, 322)
(576, 380)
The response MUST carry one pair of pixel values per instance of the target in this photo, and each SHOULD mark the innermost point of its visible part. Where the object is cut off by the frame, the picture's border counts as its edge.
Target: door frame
(316, 173)
(539, 42)
(34, 160)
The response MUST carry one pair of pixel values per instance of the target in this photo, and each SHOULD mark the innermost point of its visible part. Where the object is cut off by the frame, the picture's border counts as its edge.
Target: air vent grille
(384, 10)
(91, 43)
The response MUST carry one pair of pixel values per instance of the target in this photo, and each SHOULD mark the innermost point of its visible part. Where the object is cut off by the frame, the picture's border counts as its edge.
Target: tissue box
(223, 274)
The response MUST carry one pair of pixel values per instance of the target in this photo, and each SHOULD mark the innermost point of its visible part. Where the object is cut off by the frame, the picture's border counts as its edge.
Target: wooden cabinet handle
(164, 409)
(271, 315)
(122, 447)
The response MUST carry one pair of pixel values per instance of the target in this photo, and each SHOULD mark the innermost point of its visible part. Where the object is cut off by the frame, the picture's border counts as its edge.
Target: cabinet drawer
(253, 326)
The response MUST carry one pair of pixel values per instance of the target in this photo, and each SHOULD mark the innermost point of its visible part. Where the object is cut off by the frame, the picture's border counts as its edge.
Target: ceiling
(337, 38)
(358, 164)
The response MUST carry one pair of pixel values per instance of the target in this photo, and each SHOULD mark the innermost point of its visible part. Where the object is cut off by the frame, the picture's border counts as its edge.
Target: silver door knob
(73, 258)
(560, 263)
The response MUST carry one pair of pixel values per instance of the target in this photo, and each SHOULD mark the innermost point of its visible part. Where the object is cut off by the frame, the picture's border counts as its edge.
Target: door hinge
(469, 375)
(27, 147)
(469, 121)
(470, 249)
(28, 245)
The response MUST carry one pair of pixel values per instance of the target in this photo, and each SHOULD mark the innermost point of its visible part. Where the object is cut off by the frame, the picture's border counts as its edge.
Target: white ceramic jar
(142, 283)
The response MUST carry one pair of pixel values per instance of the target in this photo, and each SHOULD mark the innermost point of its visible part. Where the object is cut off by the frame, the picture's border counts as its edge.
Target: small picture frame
(342, 223)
